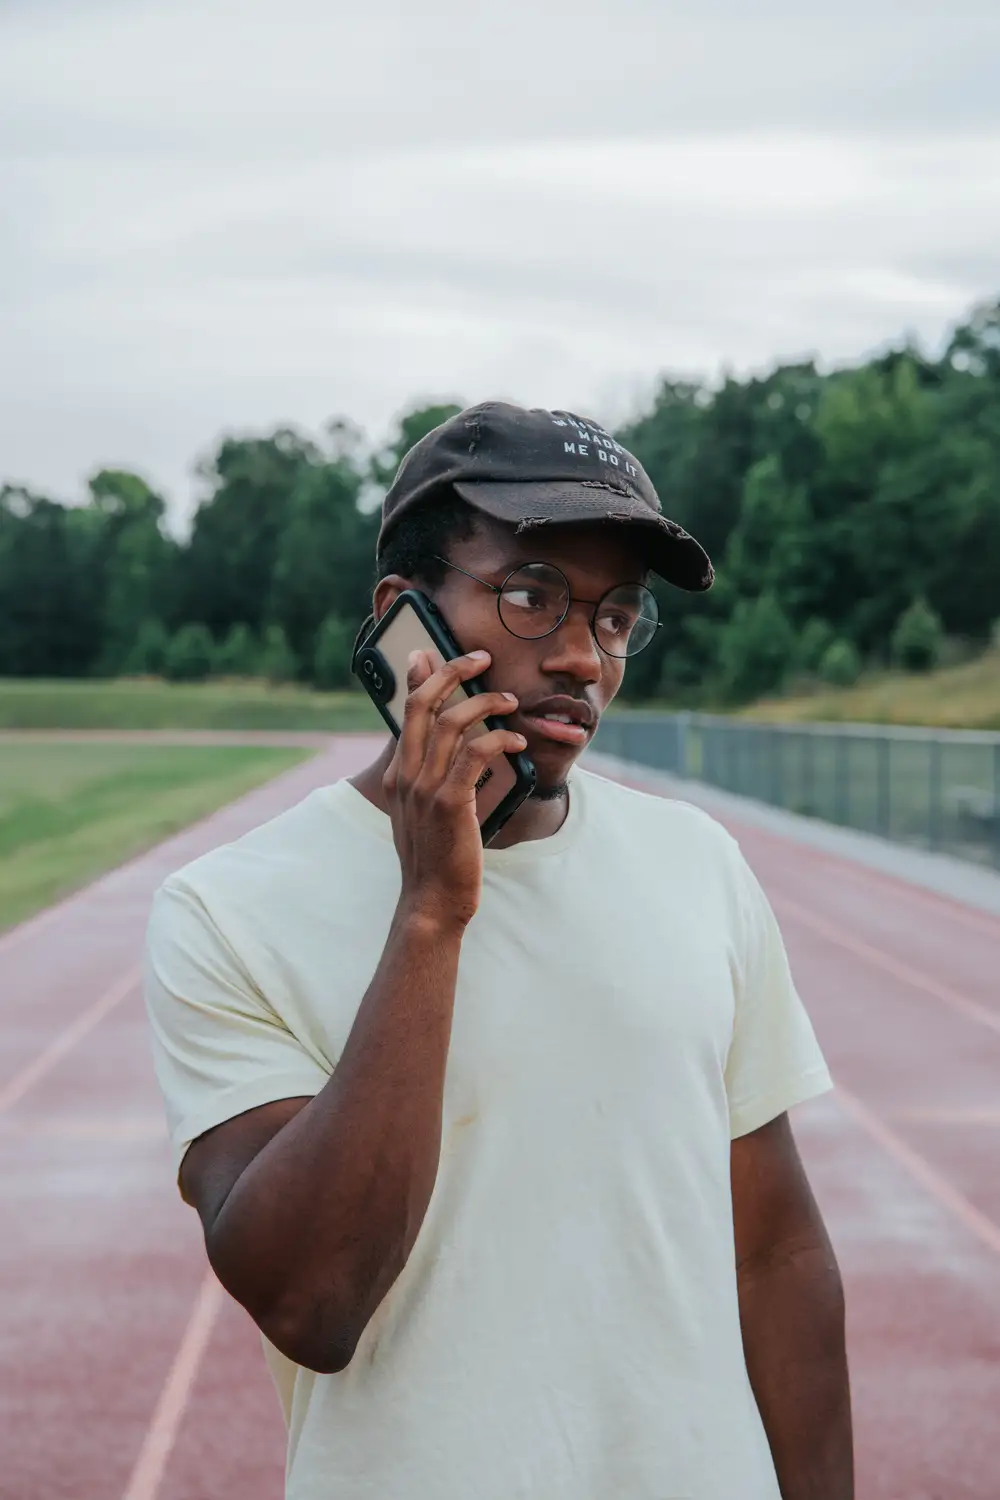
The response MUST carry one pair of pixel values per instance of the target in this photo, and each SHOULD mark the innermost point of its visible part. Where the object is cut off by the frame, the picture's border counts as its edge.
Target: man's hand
(430, 786)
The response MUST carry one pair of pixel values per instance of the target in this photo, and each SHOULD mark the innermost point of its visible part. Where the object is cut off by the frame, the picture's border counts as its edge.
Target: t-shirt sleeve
(219, 1047)
(774, 1060)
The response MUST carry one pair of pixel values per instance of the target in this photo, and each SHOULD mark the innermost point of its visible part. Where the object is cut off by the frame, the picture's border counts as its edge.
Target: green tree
(332, 656)
(816, 638)
(829, 502)
(769, 544)
(50, 613)
(325, 559)
(238, 655)
(840, 664)
(974, 348)
(278, 662)
(148, 656)
(135, 560)
(696, 446)
(917, 639)
(756, 650)
(229, 562)
(189, 654)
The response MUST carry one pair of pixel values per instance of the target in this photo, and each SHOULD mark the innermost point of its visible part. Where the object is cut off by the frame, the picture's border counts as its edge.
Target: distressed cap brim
(527, 504)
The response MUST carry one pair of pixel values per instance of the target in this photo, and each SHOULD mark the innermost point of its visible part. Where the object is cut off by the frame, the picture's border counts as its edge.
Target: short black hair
(422, 535)
(418, 540)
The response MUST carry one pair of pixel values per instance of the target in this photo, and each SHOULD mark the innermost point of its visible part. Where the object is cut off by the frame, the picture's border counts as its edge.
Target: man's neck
(536, 818)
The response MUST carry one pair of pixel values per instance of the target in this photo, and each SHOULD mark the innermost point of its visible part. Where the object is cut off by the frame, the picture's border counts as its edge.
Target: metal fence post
(778, 784)
(683, 759)
(884, 785)
(809, 773)
(841, 750)
(934, 795)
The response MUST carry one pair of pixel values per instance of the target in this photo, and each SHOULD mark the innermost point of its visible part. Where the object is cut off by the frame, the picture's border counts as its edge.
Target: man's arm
(311, 1208)
(792, 1316)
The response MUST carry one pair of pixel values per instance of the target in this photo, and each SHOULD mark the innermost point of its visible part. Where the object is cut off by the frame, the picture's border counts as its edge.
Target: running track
(125, 1374)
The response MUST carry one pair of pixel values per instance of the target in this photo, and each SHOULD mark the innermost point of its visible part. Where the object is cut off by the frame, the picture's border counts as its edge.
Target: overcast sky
(219, 215)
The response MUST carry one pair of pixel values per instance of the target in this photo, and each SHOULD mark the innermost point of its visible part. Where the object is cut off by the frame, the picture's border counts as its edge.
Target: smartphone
(414, 623)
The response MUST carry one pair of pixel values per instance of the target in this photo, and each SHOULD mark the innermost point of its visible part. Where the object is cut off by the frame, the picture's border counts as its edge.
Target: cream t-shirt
(566, 1327)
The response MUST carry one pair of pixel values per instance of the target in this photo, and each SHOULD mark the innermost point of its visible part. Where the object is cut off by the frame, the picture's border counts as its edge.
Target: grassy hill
(958, 697)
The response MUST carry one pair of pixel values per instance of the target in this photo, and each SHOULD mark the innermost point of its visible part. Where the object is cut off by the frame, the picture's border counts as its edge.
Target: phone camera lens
(368, 667)
(378, 683)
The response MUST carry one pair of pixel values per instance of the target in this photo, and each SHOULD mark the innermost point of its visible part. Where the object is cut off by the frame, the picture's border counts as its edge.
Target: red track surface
(128, 1375)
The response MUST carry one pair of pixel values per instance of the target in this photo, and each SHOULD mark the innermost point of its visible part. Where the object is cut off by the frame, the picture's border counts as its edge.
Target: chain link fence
(937, 789)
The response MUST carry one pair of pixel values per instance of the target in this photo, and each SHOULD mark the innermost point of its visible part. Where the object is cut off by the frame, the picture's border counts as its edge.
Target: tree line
(853, 516)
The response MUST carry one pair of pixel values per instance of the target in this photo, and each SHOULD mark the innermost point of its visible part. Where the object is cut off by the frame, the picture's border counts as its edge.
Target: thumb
(417, 669)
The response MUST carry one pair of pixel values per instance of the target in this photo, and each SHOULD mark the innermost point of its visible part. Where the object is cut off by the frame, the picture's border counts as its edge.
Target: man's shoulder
(656, 816)
(273, 851)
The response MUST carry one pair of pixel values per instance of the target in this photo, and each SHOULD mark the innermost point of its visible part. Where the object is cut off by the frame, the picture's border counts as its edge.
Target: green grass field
(150, 704)
(966, 696)
(70, 811)
(958, 697)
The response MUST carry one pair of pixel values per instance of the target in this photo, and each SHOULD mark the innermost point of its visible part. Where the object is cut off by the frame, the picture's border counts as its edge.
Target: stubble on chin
(552, 793)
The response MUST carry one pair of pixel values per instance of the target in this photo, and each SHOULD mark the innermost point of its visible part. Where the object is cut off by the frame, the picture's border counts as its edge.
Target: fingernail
(520, 739)
(510, 697)
(479, 656)
(413, 658)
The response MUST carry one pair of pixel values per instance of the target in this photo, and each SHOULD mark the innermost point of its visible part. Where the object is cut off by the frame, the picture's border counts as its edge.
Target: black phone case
(436, 627)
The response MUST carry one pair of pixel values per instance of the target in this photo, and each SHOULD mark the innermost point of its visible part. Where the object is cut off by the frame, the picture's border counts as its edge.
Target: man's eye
(616, 624)
(528, 598)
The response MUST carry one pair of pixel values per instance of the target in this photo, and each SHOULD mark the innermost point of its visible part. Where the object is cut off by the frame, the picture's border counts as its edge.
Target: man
(492, 1145)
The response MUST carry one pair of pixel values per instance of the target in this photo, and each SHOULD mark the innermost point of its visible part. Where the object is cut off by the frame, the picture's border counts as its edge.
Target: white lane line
(128, 1128)
(16, 1087)
(161, 1433)
(949, 1197)
(920, 1116)
(833, 933)
(37, 923)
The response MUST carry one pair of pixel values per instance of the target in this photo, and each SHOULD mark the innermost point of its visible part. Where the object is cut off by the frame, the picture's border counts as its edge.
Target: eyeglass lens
(535, 600)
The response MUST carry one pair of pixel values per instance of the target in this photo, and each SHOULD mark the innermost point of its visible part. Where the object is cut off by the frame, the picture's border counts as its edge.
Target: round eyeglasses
(534, 600)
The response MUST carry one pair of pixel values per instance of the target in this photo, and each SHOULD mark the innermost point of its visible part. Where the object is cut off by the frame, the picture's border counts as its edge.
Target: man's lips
(568, 721)
(553, 729)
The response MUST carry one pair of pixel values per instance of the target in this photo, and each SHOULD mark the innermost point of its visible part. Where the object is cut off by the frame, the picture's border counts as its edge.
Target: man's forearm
(792, 1316)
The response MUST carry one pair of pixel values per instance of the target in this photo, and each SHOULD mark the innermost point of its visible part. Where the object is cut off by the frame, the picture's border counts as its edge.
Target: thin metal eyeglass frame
(498, 590)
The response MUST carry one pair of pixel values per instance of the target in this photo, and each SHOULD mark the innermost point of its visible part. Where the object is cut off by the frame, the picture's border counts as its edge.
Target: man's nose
(572, 649)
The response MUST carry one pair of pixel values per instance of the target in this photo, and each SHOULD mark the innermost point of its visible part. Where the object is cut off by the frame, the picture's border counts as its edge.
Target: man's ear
(387, 591)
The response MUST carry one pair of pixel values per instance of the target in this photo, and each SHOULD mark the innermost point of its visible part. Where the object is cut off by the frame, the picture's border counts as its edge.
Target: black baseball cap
(533, 467)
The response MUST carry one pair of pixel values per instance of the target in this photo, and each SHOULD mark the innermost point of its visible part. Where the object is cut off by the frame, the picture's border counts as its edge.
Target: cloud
(219, 216)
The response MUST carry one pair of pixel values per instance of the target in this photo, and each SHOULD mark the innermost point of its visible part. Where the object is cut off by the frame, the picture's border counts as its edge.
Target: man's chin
(550, 791)
(553, 764)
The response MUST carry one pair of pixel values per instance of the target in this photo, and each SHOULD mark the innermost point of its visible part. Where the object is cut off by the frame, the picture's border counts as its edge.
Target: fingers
(437, 683)
(475, 754)
(421, 665)
(418, 669)
(453, 723)
(428, 691)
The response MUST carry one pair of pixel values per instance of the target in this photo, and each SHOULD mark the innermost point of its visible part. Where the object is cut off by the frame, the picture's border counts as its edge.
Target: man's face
(567, 665)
